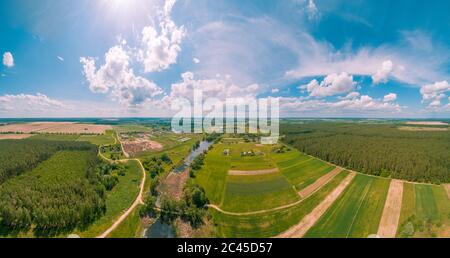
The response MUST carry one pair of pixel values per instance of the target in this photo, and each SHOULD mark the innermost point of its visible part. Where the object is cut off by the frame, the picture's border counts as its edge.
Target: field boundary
(320, 182)
(253, 172)
(299, 230)
(447, 188)
(392, 210)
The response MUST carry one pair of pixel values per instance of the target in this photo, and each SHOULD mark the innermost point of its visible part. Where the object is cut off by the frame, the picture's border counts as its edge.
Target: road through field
(139, 200)
(309, 220)
(319, 182)
(391, 213)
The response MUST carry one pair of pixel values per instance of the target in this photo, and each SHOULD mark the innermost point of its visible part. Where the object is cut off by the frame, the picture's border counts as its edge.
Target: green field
(425, 211)
(306, 172)
(105, 139)
(55, 137)
(251, 193)
(356, 213)
(214, 173)
(260, 160)
(271, 223)
(118, 200)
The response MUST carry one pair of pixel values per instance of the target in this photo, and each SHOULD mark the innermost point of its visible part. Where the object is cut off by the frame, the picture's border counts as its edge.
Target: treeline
(375, 149)
(67, 191)
(18, 156)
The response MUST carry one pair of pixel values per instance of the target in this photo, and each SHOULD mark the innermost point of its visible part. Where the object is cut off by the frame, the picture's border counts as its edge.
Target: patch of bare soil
(14, 136)
(135, 146)
(173, 184)
(185, 230)
(77, 129)
(319, 183)
(392, 208)
(309, 220)
(426, 123)
(252, 172)
(422, 129)
(55, 127)
(29, 127)
(447, 188)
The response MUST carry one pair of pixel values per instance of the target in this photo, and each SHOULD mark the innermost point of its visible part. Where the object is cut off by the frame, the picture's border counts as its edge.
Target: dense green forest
(18, 156)
(376, 149)
(64, 192)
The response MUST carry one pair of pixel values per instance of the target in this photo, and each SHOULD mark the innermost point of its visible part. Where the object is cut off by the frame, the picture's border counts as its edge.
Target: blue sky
(110, 58)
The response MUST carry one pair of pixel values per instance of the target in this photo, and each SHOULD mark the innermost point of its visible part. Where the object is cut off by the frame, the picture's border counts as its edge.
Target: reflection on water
(160, 230)
(204, 145)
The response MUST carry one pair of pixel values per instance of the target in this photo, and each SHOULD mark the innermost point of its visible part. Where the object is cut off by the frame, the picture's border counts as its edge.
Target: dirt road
(319, 182)
(309, 220)
(392, 208)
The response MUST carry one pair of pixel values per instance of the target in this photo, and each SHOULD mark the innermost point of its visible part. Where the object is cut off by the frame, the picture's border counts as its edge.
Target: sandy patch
(309, 220)
(252, 172)
(139, 145)
(29, 127)
(392, 208)
(426, 123)
(422, 129)
(447, 188)
(55, 127)
(14, 136)
(319, 183)
(77, 129)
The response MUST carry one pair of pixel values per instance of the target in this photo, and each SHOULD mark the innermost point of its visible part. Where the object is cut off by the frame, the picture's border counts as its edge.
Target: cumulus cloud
(161, 45)
(117, 78)
(218, 88)
(382, 75)
(434, 93)
(351, 95)
(275, 91)
(332, 84)
(196, 60)
(390, 97)
(26, 103)
(8, 59)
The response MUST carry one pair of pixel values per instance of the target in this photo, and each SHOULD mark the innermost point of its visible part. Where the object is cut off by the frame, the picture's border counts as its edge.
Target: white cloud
(351, 95)
(117, 78)
(28, 104)
(434, 93)
(8, 59)
(363, 105)
(333, 84)
(390, 97)
(319, 58)
(275, 90)
(381, 76)
(311, 10)
(196, 60)
(60, 58)
(219, 87)
(161, 48)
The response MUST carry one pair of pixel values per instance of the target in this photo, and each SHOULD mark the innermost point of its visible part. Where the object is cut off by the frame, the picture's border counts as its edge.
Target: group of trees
(192, 207)
(376, 149)
(155, 165)
(197, 164)
(65, 192)
(18, 156)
